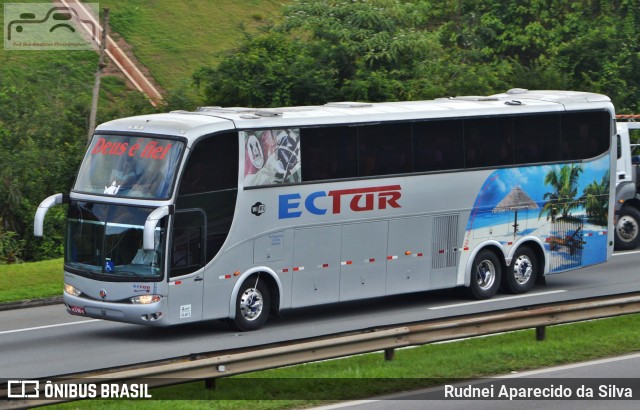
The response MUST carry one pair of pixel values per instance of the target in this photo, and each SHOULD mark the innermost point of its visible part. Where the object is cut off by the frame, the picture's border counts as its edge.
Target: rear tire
(253, 304)
(486, 272)
(627, 228)
(523, 271)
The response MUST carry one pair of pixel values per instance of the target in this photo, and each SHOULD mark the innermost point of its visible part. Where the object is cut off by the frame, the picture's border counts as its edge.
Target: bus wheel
(485, 275)
(252, 305)
(522, 274)
(627, 237)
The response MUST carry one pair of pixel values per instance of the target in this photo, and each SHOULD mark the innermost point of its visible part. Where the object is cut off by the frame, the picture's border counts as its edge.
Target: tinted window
(488, 142)
(584, 135)
(212, 165)
(423, 146)
(187, 250)
(384, 149)
(619, 147)
(328, 153)
(437, 145)
(536, 138)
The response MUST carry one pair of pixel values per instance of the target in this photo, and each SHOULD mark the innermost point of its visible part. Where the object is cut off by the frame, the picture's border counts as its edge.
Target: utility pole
(96, 85)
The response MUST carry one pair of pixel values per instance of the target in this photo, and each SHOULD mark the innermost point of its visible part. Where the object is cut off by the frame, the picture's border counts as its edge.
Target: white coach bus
(240, 213)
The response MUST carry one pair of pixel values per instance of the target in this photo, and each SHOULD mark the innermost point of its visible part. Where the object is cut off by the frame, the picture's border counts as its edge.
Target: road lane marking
(571, 366)
(624, 253)
(477, 302)
(48, 326)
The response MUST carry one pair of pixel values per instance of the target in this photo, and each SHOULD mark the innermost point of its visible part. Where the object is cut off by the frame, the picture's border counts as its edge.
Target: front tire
(523, 271)
(627, 228)
(253, 304)
(486, 272)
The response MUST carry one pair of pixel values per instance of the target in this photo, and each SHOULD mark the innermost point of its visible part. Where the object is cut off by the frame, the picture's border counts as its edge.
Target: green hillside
(173, 39)
(45, 99)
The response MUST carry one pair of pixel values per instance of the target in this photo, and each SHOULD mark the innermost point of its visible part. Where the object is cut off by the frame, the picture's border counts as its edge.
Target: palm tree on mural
(563, 199)
(596, 200)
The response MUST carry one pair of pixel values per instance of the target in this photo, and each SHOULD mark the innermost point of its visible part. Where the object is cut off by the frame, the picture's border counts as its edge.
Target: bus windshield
(106, 241)
(129, 166)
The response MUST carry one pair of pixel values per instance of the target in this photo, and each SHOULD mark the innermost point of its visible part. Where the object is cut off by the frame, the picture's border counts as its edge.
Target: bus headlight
(145, 299)
(71, 290)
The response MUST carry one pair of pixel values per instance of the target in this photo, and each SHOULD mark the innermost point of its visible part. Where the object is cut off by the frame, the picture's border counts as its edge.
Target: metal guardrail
(216, 366)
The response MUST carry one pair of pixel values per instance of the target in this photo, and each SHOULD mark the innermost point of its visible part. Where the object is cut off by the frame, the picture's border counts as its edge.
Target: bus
(240, 213)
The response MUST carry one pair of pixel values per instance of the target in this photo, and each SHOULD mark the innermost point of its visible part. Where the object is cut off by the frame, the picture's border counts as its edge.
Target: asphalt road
(45, 341)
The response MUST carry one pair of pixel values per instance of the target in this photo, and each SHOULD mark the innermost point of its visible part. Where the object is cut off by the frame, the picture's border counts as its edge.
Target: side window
(384, 149)
(187, 245)
(536, 138)
(328, 153)
(437, 145)
(488, 142)
(271, 156)
(212, 165)
(619, 146)
(584, 135)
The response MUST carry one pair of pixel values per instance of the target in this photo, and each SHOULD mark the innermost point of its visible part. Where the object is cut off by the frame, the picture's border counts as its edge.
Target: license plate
(78, 310)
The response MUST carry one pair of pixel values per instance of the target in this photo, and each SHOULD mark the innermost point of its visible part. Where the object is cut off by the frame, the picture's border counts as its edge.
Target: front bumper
(153, 314)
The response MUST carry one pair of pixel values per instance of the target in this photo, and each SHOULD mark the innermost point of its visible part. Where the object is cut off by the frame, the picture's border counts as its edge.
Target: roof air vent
(348, 104)
(268, 113)
(208, 108)
(517, 91)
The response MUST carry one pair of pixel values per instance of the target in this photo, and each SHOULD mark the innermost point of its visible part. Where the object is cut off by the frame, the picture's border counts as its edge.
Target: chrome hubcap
(522, 269)
(485, 274)
(251, 304)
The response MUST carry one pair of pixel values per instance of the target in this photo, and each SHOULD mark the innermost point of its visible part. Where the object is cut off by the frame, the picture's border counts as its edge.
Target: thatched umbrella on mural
(515, 200)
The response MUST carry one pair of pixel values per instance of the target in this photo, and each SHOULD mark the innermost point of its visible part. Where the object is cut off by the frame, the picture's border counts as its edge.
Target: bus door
(186, 272)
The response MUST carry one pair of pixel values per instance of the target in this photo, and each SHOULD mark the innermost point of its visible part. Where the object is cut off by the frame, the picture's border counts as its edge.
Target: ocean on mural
(566, 204)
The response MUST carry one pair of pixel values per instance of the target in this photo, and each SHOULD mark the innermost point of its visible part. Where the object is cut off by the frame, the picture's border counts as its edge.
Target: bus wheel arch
(526, 267)
(486, 272)
(255, 296)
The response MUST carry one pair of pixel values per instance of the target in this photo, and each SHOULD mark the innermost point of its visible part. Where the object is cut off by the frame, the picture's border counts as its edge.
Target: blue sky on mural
(531, 180)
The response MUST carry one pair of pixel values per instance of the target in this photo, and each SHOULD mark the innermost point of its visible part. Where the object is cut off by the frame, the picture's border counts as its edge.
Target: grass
(30, 280)
(28, 70)
(174, 39)
(171, 39)
(369, 375)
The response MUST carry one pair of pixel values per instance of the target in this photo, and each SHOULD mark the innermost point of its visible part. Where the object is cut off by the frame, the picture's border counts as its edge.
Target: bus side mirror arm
(43, 208)
(148, 237)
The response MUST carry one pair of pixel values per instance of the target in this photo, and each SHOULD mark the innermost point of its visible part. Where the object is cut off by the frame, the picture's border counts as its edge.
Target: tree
(270, 70)
(562, 200)
(596, 201)
(378, 50)
(43, 123)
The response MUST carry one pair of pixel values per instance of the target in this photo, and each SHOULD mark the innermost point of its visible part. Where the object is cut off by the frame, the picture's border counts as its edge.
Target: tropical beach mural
(568, 205)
